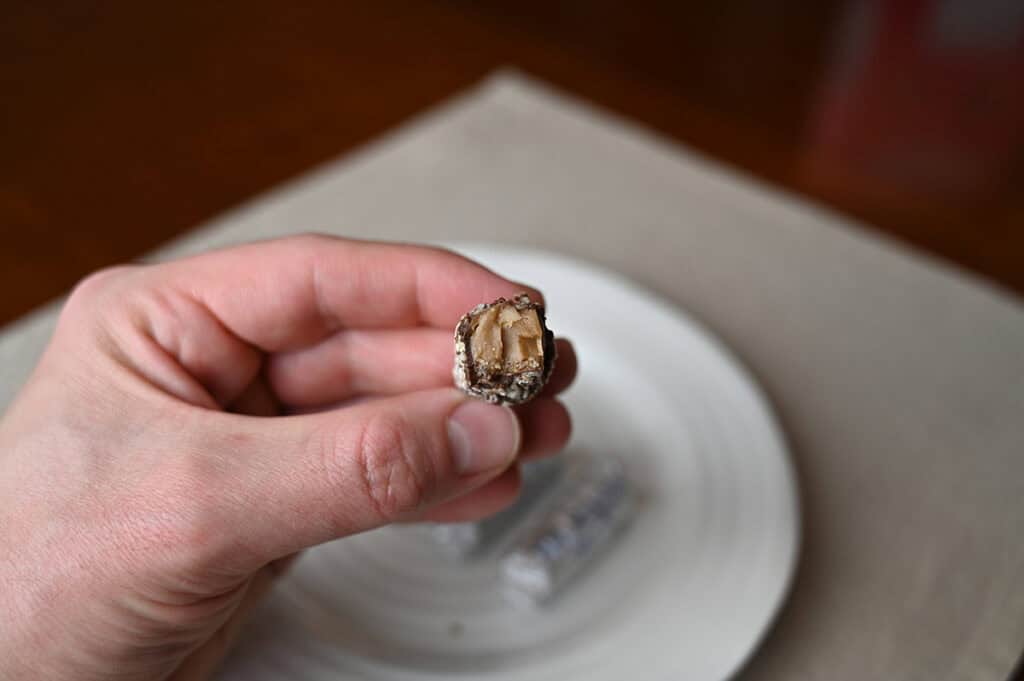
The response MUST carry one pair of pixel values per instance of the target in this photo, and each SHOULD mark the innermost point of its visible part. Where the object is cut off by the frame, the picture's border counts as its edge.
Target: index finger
(288, 293)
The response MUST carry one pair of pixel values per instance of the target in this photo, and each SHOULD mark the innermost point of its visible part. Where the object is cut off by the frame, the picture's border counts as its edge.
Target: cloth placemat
(899, 380)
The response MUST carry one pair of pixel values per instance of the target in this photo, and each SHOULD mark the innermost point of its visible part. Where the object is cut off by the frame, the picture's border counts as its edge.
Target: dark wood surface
(125, 123)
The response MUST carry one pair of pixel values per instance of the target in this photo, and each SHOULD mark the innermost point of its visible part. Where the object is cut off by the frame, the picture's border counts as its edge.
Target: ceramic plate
(688, 590)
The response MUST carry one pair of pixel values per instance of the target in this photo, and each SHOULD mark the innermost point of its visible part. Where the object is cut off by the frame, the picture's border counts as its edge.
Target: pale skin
(192, 426)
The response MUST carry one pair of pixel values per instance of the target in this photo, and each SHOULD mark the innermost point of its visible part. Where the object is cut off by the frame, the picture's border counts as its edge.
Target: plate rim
(786, 505)
(666, 306)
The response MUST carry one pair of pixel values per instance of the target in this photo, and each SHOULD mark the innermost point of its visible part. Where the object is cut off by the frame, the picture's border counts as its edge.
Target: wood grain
(124, 124)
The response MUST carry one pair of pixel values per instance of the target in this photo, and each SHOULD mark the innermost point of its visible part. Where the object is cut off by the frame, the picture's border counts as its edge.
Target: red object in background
(925, 97)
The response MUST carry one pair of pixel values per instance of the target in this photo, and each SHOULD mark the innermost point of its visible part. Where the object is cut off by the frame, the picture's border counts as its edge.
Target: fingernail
(483, 437)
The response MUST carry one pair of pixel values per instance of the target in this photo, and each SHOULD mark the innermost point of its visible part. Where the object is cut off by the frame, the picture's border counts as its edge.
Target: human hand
(193, 425)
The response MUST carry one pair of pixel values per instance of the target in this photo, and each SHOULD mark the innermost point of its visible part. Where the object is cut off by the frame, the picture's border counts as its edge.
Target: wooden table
(126, 123)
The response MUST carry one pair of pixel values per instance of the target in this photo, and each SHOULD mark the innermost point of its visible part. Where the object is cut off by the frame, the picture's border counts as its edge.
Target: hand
(193, 425)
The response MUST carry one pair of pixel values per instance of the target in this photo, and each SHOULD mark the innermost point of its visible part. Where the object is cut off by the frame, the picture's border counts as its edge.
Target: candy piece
(504, 352)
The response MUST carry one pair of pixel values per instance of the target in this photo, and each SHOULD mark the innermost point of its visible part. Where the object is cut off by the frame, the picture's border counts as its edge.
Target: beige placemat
(900, 381)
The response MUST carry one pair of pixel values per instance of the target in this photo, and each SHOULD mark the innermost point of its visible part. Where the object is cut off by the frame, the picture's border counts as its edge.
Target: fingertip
(546, 425)
(566, 366)
(483, 437)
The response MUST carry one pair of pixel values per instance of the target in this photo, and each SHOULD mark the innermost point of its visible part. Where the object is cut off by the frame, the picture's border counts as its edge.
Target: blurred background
(124, 124)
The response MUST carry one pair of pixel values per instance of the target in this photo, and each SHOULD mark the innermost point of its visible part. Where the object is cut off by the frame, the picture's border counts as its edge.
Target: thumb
(304, 480)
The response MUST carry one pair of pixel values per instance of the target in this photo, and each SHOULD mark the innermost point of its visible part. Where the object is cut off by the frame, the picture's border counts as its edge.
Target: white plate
(688, 591)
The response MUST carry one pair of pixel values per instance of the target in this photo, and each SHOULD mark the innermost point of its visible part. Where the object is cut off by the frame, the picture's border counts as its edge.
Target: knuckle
(393, 468)
(89, 297)
(95, 284)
